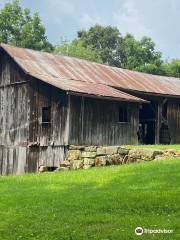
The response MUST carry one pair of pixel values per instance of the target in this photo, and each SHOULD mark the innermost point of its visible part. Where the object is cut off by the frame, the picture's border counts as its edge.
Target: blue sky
(158, 19)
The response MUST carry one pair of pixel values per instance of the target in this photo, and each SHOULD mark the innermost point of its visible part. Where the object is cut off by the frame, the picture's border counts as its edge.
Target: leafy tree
(174, 68)
(18, 27)
(116, 50)
(76, 49)
(104, 40)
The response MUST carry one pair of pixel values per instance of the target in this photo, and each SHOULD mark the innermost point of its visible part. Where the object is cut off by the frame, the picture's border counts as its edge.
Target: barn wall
(95, 122)
(14, 108)
(54, 133)
(47, 142)
(14, 117)
(25, 143)
(174, 120)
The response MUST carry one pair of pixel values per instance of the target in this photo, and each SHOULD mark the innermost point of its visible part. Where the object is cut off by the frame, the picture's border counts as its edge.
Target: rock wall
(82, 157)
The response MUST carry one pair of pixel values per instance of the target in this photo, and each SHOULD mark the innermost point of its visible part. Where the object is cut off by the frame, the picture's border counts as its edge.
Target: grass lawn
(99, 203)
(158, 147)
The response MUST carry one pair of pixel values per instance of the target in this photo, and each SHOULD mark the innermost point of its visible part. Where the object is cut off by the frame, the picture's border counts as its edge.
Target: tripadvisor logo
(139, 231)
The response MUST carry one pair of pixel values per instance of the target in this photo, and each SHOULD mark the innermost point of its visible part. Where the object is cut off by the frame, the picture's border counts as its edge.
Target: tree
(119, 51)
(138, 54)
(18, 27)
(104, 40)
(174, 68)
(76, 49)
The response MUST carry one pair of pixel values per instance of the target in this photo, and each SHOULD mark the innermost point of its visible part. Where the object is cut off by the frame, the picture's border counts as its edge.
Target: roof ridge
(53, 66)
(91, 62)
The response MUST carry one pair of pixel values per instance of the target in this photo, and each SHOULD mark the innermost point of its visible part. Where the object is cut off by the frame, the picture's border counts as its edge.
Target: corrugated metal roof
(52, 69)
(50, 66)
(91, 89)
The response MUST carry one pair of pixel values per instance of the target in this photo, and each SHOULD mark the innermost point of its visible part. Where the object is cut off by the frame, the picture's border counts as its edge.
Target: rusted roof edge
(105, 97)
(140, 100)
(131, 91)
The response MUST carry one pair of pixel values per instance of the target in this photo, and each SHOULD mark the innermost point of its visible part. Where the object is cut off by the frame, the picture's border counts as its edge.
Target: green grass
(158, 147)
(100, 203)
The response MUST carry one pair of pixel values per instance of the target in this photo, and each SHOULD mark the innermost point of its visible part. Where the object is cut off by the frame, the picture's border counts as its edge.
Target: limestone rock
(43, 169)
(101, 151)
(87, 166)
(111, 150)
(108, 150)
(74, 147)
(125, 159)
(73, 155)
(64, 164)
(89, 154)
(177, 152)
(114, 159)
(90, 149)
(76, 164)
(123, 151)
(89, 161)
(171, 153)
(101, 161)
(162, 157)
(143, 154)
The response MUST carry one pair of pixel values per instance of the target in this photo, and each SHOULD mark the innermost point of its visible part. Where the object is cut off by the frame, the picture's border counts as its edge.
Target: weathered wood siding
(95, 122)
(14, 117)
(174, 120)
(44, 95)
(14, 107)
(25, 143)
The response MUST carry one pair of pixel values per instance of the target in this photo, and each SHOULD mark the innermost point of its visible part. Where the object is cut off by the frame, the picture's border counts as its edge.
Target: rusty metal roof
(89, 77)
(52, 68)
(90, 89)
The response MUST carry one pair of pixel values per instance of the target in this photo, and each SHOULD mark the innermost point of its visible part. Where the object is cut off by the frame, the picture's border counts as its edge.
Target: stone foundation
(85, 157)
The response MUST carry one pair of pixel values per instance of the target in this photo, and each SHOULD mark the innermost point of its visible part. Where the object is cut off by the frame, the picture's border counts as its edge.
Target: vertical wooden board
(173, 113)
(5, 161)
(100, 124)
(46, 157)
(10, 167)
(32, 159)
(15, 161)
(51, 156)
(1, 159)
(21, 158)
(59, 155)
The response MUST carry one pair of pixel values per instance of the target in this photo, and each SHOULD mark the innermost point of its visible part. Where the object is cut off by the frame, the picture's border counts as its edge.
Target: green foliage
(99, 203)
(140, 53)
(103, 39)
(18, 27)
(108, 46)
(76, 49)
(115, 50)
(174, 68)
(165, 69)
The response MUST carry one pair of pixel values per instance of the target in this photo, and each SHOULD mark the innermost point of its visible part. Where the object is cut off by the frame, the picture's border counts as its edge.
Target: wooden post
(158, 122)
(67, 127)
(82, 119)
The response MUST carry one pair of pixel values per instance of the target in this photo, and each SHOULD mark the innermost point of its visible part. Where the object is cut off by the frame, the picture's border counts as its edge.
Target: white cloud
(87, 21)
(128, 20)
(58, 9)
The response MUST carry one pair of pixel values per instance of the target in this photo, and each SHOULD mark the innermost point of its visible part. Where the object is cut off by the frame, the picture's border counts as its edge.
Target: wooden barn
(48, 102)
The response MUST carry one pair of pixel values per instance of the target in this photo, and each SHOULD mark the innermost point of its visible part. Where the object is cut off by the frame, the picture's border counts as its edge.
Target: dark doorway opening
(164, 136)
(147, 123)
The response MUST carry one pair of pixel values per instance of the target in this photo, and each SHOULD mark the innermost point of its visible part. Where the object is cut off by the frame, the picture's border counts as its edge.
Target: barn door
(147, 123)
